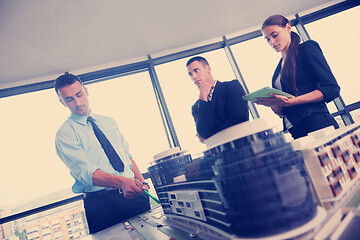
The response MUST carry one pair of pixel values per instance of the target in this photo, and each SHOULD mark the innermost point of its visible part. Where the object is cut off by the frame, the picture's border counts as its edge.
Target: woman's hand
(283, 101)
(275, 100)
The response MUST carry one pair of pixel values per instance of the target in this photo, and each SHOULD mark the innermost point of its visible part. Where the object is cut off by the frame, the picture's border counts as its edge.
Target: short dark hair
(202, 60)
(65, 80)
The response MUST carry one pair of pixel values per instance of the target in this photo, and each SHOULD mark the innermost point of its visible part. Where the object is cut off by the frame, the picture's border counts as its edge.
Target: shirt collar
(81, 119)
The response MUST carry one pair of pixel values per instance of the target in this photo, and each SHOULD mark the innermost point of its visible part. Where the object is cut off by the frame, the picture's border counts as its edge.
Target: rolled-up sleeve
(321, 71)
(71, 152)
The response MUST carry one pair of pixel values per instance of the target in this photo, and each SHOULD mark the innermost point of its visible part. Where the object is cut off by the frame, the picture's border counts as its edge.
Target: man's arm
(201, 112)
(136, 171)
(73, 155)
(130, 187)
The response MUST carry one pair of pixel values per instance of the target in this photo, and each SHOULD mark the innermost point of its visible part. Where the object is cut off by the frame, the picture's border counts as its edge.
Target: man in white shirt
(110, 196)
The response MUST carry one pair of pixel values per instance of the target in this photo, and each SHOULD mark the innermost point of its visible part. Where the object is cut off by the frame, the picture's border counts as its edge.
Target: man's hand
(145, 186)
(204, 90)
(131, 187)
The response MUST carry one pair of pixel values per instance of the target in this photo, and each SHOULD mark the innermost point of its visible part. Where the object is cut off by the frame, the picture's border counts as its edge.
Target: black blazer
(225, 109)
(312, 72)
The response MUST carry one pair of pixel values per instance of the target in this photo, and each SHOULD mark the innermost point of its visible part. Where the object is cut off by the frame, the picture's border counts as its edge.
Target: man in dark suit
(220, 104)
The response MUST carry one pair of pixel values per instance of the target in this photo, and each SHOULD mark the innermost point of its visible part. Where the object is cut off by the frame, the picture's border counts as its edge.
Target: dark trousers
(105, 210)
(312, 123)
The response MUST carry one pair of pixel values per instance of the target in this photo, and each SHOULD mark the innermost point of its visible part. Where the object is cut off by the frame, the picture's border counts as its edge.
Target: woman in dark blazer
(304, 73)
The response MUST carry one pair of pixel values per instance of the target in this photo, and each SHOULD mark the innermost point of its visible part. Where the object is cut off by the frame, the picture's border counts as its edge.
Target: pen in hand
(153, 198)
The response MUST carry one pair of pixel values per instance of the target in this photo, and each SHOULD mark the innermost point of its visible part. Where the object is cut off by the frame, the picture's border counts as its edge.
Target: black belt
(106, 191)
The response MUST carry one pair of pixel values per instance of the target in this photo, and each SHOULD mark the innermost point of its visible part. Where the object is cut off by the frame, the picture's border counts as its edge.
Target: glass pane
(331, 106)
(257, 68)
(356, 115)
(181, 93)
(30, 167)
(64, 222)
(131, 101)
(338, 37)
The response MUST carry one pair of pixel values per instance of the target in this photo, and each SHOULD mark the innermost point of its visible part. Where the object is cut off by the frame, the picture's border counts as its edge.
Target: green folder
(265, 93)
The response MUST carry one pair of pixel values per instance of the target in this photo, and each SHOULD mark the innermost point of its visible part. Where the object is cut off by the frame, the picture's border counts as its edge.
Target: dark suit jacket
(225, 109)
(312, 72)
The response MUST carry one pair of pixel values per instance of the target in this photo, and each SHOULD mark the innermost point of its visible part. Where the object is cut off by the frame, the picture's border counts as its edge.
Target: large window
(338, 37)
(130, 100)
(30, 167)
(257, 62)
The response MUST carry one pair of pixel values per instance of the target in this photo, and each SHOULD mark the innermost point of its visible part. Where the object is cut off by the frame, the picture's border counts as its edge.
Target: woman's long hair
(288, 72)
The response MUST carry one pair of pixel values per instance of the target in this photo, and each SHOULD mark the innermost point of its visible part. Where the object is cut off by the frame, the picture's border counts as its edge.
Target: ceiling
(40, 39)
